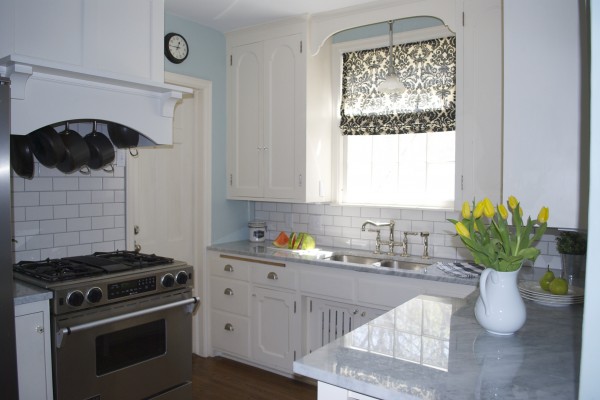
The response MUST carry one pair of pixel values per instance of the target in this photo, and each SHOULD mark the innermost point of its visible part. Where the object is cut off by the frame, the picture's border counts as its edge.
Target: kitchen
(229, 217)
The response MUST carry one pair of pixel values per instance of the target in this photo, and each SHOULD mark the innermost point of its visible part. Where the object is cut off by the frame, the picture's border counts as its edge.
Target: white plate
(532, 291)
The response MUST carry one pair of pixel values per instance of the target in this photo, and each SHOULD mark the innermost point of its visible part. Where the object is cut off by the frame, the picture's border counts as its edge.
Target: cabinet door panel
(282, 89)
(31, 352)
(230, 295)
(273, 328)
(246, 130)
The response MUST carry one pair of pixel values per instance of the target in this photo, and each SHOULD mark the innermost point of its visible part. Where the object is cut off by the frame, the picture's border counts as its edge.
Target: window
(398, 150)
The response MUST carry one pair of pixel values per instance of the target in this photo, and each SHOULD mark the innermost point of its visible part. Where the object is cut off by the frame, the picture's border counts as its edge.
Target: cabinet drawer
(229, 267)
(390, 293)
(230, 333)
(273, 276)
(341, 287)
(230, 295)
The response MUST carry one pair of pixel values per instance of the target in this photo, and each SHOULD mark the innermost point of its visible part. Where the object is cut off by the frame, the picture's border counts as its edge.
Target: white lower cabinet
(34, 366)
(331, 392)
(270, 313)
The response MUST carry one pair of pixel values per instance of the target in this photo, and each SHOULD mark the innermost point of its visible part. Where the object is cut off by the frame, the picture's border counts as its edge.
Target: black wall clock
(176, 48)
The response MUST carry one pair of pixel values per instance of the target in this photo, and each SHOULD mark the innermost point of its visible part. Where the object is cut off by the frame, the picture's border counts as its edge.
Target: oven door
(136, 349)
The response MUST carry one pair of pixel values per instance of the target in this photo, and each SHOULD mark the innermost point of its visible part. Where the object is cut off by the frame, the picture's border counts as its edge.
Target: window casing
(405, 170)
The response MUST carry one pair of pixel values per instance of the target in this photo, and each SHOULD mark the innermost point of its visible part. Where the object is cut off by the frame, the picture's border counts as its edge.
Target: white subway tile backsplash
(91, 183)
(53, 198)
(79, 197)
(90, 210)
(57, 215)
(114, 208)
(25, 199)
(67, 211)
(103, 222)
(340, 226)
(79, 224)
(66, 239)
(39, 242)
(53, 226)
(65, 183)
(91, 236)
(38, 213)
(38, 185)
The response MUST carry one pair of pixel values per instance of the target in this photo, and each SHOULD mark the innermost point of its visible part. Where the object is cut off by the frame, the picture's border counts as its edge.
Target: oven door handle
(191, 303)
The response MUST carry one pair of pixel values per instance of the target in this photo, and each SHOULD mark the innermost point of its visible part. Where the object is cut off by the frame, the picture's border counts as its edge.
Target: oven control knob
(94, 295)
(182, 277)
(75, 298)
(167, 280)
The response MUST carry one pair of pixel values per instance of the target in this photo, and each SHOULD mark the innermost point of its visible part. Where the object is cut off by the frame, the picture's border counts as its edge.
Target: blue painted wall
(207, 60)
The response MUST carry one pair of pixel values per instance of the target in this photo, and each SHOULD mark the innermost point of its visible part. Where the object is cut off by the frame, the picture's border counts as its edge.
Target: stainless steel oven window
(127, 347)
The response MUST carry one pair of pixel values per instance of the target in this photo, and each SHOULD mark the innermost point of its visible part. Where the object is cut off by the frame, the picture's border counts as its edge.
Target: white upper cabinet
(102, 35)
(545, 146)
(277, 149)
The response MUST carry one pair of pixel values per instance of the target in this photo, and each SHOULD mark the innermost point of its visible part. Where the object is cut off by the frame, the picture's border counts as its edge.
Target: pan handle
(134, 151)
(191, 303)
(110, 168)
(85, 170)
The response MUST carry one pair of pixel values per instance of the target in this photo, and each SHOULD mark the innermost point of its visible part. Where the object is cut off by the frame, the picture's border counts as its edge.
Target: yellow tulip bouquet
(492, 242)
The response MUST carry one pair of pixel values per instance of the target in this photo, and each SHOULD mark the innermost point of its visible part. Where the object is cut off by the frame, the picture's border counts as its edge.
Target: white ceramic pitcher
(500, 309)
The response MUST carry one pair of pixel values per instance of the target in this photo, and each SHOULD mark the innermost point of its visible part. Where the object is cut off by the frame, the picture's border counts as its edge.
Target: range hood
(47, 93)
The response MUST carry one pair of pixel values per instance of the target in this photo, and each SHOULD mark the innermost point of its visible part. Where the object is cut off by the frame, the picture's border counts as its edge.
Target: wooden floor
(218, 378)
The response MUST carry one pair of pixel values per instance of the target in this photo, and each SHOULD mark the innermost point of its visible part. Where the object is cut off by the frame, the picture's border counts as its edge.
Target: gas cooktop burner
(134, 259)
(64, 269)
(56, 270)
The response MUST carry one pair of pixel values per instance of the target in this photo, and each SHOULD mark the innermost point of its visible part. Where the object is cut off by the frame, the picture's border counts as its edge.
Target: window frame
(338, 156)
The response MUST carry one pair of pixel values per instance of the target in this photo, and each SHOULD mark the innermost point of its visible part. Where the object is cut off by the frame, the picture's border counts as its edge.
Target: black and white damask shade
(428, 71)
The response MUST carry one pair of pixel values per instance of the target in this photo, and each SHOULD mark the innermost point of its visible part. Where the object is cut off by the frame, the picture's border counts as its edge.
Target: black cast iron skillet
(77, 152)
(124, 137)
(21, 157)
(47, 146)
(101, 149)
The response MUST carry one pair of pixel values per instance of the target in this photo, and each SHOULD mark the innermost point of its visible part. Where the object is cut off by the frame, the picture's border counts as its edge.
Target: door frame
(202, 95)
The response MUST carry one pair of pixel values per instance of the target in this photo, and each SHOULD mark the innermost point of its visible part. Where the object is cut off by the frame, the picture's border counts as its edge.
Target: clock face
(176, 48)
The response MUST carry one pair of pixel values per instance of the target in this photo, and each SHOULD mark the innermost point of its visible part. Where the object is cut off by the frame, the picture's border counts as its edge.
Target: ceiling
(230, 15)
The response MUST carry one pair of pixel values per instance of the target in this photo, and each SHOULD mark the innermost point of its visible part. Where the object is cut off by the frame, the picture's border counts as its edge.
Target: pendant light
(391, 84)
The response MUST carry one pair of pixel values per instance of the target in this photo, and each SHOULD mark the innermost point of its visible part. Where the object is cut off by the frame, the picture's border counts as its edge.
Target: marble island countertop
(433, 348)
(266, 250)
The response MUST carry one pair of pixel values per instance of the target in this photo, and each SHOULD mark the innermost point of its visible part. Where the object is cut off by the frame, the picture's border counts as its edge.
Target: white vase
(500, 309)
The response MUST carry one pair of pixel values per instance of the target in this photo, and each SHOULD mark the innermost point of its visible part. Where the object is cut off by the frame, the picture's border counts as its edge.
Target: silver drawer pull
(362, 314)
(39, 329)
(273, 276)
(229, 327)
(228, 292)
(228, 268)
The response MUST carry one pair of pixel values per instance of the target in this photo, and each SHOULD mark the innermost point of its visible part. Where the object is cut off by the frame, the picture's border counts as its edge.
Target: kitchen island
(433, 348)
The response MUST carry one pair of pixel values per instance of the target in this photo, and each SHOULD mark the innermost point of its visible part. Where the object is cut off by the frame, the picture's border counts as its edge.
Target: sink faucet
(424, 235)
(378, 241)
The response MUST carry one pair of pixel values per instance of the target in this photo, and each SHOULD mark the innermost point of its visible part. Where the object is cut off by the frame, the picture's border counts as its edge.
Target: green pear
(546, 279)
(559, 286)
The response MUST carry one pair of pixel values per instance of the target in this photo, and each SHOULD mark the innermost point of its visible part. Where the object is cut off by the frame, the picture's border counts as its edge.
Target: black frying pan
(101, 149)
(21, 157)
(77, 152)
(47, 146)
(123, 137)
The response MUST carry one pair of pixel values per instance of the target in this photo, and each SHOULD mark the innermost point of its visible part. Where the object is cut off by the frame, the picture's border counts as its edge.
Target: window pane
(404, 170)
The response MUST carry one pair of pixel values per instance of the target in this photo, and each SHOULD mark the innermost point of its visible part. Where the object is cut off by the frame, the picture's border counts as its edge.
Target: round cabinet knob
(182, 277)
(94, 295)
(167, 280)
(75, 298)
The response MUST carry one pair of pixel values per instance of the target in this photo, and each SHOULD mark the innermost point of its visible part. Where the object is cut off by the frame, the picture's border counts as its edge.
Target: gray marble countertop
(319, 257)
(433, 348)
(24, 293)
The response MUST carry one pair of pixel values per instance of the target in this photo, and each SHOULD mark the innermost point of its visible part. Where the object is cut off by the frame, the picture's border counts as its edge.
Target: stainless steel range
(122, 324)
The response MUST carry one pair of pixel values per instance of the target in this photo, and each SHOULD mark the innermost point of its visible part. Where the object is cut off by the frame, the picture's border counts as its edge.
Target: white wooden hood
(87, 60)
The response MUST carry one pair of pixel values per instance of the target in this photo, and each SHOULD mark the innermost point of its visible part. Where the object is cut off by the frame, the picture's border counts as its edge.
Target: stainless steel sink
(348, 258)
(407, 265)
